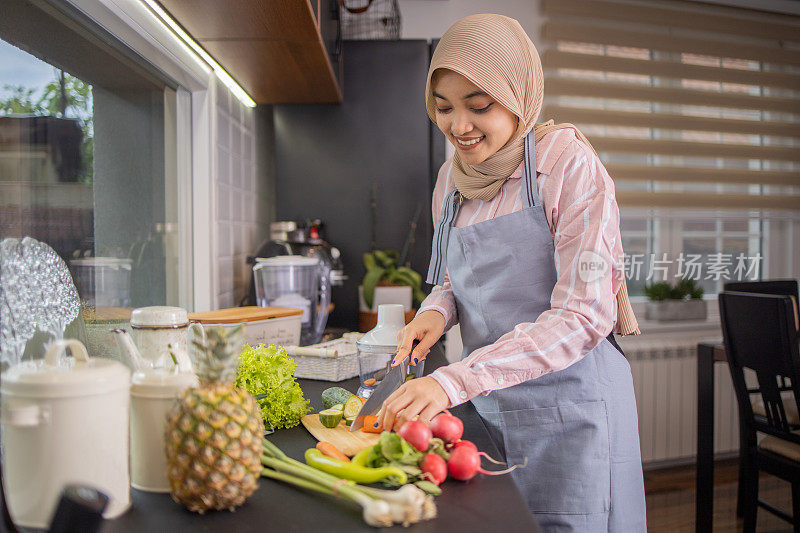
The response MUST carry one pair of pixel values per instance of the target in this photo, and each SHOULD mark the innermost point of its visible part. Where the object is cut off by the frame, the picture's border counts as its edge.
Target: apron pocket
(567, 447)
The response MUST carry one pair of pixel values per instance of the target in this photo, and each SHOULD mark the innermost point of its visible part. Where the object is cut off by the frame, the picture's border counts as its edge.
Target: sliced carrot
(332, 451)
(369, 382)
(369, 425)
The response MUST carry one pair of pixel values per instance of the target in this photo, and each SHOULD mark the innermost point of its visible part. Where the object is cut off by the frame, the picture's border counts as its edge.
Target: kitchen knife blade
(390, 383)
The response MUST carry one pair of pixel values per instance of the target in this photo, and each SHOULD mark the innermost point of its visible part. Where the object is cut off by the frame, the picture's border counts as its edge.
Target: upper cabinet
(280, 51)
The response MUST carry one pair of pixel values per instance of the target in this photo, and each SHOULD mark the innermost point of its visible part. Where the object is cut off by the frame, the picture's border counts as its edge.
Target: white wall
(239, 211)
(428, 19)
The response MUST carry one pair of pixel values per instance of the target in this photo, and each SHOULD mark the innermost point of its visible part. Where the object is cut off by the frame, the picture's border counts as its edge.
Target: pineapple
(214, 431)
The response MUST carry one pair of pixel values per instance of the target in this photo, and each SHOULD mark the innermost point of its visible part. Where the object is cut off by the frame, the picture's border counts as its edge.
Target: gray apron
(577, 427)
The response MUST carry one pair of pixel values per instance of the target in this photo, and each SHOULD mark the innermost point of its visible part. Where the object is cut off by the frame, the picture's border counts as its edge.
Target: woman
(527, 258)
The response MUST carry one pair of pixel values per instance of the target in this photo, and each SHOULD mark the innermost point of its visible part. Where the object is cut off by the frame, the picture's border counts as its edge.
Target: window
(695, 111)
(83, 163)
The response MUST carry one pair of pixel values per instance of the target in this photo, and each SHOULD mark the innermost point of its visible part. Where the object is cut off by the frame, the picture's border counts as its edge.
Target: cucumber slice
(349, 421)
(335, 395)
(352, 406)
(330, 418)
(338, 407)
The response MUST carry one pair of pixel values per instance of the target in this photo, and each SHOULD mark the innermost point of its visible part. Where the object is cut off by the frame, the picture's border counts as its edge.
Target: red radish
(465, 462)
(460, 443)
(434, 468)
(447, 427)
(417, 434)
(470, 444)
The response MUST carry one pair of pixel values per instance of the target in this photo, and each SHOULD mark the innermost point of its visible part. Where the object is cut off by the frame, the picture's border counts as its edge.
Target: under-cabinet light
(165, 19)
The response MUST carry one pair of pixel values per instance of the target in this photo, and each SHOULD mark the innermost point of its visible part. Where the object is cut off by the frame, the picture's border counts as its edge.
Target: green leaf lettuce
(268, 370)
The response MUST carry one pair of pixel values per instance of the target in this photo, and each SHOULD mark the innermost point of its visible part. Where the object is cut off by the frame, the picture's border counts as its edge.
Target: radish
(434, 468)
(417, 434)
(447, 427)
(465, 462)
(470, 444)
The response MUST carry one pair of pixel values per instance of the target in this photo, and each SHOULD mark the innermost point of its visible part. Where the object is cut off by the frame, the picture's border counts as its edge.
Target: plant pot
(672, 310)
(387, 294)
(369, 319)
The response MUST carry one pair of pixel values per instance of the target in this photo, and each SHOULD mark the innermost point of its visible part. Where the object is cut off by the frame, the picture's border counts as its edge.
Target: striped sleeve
(580, 206)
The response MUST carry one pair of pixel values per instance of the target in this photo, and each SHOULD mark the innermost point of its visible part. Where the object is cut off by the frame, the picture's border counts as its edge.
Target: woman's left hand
(422, 396)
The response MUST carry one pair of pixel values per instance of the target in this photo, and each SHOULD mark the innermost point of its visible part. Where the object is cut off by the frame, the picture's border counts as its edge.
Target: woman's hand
(421, 396)
(427, 327)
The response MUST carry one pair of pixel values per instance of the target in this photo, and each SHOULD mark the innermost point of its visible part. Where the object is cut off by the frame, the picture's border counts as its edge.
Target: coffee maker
(298, 238)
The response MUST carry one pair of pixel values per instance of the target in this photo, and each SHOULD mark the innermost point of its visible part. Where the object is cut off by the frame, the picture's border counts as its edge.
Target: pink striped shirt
(582, 213)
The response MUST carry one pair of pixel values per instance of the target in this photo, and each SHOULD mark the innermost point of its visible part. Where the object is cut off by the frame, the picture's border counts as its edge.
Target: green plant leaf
(386, 258)
(371, 279)
(419, 296)
(416, 279)
(369, 261)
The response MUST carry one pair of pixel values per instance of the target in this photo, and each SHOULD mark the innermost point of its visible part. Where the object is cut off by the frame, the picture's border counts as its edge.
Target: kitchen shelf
(275, 50)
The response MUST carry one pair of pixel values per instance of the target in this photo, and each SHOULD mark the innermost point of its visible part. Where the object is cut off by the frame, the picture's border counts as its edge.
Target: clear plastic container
(374, 362)
(103, 281)
(377, 348)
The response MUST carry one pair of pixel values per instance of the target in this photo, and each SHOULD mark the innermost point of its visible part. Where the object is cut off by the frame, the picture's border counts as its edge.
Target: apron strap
(528, 191)
(441, 236)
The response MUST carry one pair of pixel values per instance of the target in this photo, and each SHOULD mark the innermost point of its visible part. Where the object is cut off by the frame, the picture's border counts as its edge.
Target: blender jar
(298, 282)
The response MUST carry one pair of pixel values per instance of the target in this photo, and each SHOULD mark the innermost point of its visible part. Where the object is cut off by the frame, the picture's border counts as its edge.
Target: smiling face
(476, 124)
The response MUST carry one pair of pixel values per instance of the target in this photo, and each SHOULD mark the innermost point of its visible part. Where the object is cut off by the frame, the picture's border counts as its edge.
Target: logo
(591, 266)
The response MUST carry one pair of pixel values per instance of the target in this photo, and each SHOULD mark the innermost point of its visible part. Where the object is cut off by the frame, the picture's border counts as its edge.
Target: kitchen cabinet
(277, 51)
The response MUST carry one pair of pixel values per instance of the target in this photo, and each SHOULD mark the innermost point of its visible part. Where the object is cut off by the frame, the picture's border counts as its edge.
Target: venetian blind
(689, 105)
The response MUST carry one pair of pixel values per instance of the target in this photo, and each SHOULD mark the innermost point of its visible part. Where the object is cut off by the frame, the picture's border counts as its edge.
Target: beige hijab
(495, 53)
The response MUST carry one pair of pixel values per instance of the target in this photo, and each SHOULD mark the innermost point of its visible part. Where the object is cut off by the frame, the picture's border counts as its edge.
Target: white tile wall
(239, 220)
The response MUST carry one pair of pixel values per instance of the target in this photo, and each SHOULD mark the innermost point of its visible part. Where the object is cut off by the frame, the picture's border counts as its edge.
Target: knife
(390, 383)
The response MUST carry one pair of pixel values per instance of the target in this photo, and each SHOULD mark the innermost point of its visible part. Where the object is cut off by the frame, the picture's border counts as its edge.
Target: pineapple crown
(215, 354)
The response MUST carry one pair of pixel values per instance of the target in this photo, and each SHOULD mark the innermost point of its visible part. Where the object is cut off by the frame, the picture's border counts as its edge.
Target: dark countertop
(485, 503)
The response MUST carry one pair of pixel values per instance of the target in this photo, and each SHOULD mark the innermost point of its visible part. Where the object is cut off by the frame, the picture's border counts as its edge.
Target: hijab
(494, 53)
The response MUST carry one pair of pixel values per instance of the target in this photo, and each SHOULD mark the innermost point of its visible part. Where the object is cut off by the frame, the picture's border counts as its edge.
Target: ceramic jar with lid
(65, 421)
(153, 393)
(155, 328)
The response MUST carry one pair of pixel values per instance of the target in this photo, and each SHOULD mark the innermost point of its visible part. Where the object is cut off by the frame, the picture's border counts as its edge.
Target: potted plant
(684, 301)
(384, 282)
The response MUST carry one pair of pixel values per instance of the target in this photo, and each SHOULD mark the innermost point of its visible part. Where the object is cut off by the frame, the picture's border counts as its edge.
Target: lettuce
(268, 370)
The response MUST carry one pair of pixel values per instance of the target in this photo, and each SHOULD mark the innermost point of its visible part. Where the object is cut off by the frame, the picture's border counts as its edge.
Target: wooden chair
(761, 335)
(788, 287)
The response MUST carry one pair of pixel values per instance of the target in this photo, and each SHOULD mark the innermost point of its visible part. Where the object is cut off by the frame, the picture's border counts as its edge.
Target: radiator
(665, 381)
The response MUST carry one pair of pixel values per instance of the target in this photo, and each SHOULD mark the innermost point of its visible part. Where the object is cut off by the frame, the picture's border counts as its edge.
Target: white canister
(65, 421)
(153, 393)
(154, 328)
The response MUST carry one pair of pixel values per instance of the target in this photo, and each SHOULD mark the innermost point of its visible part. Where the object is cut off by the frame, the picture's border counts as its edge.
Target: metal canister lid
(159, 316)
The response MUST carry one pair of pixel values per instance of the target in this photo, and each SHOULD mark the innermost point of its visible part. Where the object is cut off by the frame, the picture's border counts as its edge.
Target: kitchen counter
(485, 503)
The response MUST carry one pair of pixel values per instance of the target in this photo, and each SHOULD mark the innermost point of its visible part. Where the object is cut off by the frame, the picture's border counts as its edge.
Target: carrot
(369, 382)
(369, 425)
(332, 451)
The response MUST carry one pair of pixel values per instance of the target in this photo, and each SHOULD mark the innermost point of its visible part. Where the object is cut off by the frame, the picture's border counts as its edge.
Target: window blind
(689, 105)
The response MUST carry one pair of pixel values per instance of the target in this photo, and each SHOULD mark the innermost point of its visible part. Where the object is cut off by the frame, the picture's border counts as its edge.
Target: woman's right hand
(427, 328)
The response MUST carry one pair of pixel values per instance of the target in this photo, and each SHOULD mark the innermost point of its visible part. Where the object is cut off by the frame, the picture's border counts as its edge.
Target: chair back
(786, 287)
(760, 335)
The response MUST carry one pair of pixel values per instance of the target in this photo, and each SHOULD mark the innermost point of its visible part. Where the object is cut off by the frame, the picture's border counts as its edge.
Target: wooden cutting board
(340, 436)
